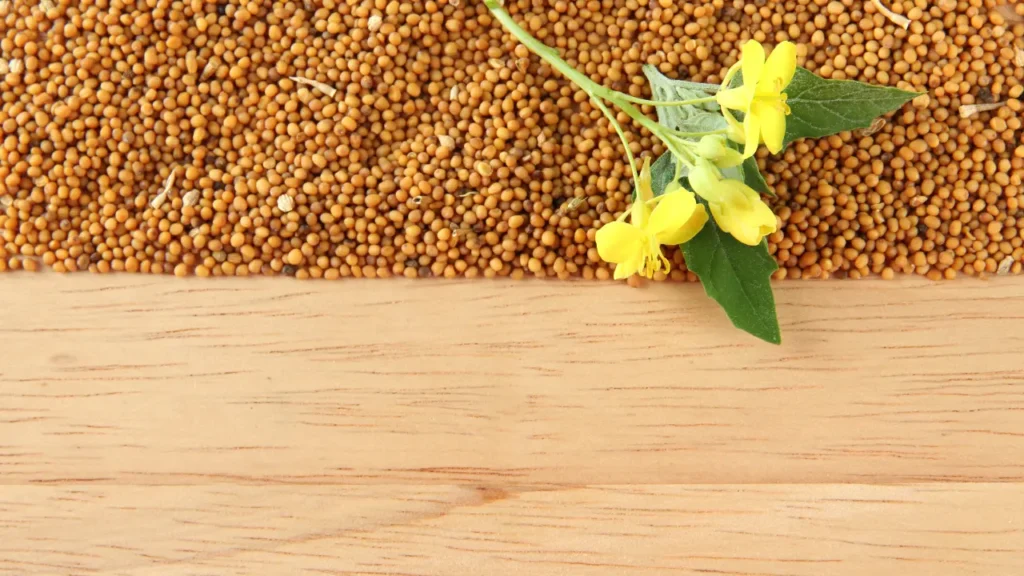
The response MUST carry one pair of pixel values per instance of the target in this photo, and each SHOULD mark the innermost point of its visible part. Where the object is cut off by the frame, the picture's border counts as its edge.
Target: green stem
(551, 56)
(622, 136)
(647, 102)
(698, 86)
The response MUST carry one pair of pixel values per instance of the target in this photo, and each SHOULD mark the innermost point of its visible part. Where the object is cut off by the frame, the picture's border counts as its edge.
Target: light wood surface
(153, 426)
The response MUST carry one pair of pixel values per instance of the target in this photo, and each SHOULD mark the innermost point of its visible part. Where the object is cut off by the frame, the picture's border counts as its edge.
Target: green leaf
(697, 118)
(822, 107)
(734, 274)
(738, 277)
(752, 177)
(663, 171)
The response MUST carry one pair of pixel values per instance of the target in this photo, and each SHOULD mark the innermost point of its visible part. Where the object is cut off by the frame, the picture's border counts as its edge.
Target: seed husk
(285, 203)
(329, 91)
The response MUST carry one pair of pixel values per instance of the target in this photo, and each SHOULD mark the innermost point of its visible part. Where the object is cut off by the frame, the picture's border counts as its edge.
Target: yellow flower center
(653, 259)
(777, 101)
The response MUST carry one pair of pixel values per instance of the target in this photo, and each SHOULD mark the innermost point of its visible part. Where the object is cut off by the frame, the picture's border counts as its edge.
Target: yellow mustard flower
(761, 97)
(737, 208)
(635, 247)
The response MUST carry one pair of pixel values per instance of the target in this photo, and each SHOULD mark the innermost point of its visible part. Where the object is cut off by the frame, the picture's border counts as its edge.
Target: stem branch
(644, 101)
(551, 56)
(622, 136)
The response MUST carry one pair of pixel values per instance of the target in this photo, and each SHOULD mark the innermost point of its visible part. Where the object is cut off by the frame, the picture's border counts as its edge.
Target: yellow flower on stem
(635, 247)
(761, 97)
(737, 208)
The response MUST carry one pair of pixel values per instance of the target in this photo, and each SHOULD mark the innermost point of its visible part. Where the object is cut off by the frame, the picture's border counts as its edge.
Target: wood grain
(153, 426)
(806, 530)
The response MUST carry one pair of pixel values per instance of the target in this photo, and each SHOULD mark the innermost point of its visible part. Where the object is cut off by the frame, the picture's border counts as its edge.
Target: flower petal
(672, 213)
(738, 98)
(690, 229)
(737, 194)
(626, 269)
(780, 66)
(639, 212)
(749, 235)
(703, 178)
(766, 218)
(712, 146)
(724, 217)
(643, 183)
(734, 131)
(730, 158)
(619, 242)
(716, 149)
(752, 133)
(743, 214)
(773, 124)
(752, 61)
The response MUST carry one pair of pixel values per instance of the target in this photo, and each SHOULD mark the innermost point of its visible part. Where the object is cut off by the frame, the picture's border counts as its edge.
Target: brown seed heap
(371, 138)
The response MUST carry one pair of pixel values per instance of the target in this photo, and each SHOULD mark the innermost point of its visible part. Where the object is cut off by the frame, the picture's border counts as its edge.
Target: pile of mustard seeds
(376, 138)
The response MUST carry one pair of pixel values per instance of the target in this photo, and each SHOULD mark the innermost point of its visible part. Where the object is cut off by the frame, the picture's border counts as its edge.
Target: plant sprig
(704, 192)
(599, 93)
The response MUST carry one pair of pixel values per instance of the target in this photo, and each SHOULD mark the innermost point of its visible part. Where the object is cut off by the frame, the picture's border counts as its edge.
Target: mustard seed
(419, 139)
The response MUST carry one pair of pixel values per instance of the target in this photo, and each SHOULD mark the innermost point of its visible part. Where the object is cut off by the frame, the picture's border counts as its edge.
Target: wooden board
(154, 426)
(227, 529)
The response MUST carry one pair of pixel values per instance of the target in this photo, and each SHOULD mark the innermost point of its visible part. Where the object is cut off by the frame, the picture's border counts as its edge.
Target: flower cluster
(676, 216)
(635, 247)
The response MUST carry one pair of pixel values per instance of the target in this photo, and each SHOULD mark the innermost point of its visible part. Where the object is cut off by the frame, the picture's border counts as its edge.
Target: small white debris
(496, 63)
(1008, 12)
(285, 203)
(446, 141)
(327, 90)
(876, 125)
(162, 196)
(16, 65)
(897, 19)
(6, 201)
(1004, 266)
(374, 23)
(1019, 58)
(159, 200)
(211, 65)
(454, 93)
(571, 205)
(968, 110)
(191, 198)
(170, 180)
